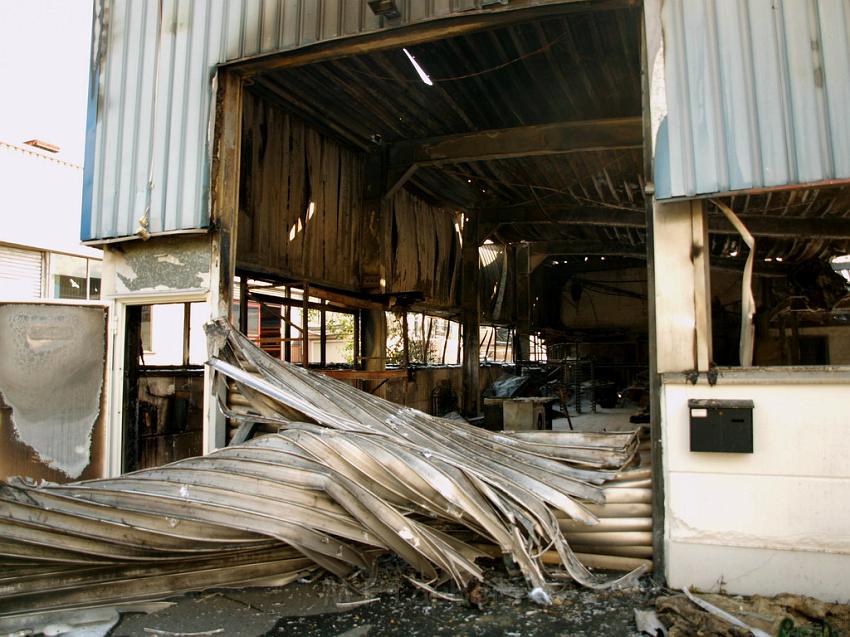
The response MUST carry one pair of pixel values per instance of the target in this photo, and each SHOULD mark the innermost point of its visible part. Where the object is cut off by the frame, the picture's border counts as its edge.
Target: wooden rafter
(759, 225)
(521, 141)
(585, 248)
(509, 143)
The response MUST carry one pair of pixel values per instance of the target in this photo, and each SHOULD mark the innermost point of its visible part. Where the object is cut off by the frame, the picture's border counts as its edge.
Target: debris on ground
(350, 477)
(647, 623)
(506, 386)
(785, 615)
(310, 609)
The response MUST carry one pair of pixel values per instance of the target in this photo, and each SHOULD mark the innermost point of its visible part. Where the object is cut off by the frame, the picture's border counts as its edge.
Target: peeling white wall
(51, 375)
(775, 520)
(159, 265)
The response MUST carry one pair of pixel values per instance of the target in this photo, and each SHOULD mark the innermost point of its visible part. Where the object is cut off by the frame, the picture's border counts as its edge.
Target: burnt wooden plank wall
(286, 167)
(425, 250)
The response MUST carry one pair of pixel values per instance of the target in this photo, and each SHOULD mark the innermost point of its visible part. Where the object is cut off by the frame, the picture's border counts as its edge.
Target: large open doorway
(163, 383)
(477, 196)
(362, 175)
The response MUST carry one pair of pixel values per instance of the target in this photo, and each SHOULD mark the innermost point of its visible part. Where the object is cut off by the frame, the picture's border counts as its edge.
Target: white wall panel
(755, 521)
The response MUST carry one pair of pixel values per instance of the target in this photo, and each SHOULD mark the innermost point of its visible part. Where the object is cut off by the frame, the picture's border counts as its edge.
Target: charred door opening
(505, 194)
(163, 384)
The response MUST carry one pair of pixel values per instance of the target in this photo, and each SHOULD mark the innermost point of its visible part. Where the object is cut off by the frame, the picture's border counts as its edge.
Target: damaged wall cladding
(300, 204)
(757, 95)
(51, 382)
(161, 264)
(301, 213)
(151, 91)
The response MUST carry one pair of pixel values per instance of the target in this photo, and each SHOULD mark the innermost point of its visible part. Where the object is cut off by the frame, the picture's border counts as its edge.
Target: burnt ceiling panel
(571, 84)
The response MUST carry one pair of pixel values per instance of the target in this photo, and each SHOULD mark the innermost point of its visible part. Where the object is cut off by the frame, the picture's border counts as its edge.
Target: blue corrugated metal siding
(758, 95)
(152, 92)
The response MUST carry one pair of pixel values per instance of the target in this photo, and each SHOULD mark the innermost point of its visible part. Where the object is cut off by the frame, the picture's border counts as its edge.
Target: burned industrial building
(574, 223)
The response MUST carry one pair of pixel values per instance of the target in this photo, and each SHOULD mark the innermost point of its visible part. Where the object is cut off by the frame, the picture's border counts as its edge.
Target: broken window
(339, 337)
(430, 340)
(496, 344)
(173, 334)
(799, 296)
(275, 321)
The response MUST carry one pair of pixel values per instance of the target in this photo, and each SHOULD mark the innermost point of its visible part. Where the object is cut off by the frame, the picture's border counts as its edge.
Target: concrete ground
(615, 419)
(327, 608)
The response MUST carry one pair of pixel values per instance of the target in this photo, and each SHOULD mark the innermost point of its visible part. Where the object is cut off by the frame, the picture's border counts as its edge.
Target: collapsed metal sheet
(349, 477)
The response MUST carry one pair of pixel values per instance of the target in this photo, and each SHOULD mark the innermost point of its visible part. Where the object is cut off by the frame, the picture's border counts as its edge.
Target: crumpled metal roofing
(350, 477)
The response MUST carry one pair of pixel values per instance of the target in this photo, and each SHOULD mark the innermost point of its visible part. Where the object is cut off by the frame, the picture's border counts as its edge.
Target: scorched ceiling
(538, 125)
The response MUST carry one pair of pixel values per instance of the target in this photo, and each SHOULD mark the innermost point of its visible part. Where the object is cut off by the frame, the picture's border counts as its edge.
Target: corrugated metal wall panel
(20, 273)
(757, 94)
(152, 94)
(836, 61)
(117, 169)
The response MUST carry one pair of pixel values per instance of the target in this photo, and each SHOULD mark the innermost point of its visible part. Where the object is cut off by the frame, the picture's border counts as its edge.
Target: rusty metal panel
(757, 94)
(151, 93)
(52, 422)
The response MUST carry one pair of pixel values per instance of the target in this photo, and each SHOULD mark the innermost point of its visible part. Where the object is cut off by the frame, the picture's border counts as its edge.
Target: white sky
(44, 69)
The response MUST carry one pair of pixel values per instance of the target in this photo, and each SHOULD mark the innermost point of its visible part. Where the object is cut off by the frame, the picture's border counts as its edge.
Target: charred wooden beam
(470, 315)
(758, 225)
(404, 158)
(564, 215)
(579, 266)
(420, 33)
(374, 340)
(522, 297)
(785, 227)
(521, 141)
(760, 268)
(637, 260)
(567, 247)
(362, 374)
(349, 308)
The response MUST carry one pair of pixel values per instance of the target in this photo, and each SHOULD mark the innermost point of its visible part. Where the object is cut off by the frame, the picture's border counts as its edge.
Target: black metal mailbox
(724, 426)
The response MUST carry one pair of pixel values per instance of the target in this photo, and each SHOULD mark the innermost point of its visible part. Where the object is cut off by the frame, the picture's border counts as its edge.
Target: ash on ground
(327, 607)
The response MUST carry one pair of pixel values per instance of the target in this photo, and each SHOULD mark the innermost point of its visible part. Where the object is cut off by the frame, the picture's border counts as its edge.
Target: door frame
(118, 305)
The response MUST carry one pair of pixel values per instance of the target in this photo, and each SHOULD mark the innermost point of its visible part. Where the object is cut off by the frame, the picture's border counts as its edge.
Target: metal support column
(470, 316)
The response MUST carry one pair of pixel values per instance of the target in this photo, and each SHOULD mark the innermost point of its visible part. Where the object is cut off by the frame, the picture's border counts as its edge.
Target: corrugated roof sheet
(757, 95)
(151, 91)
